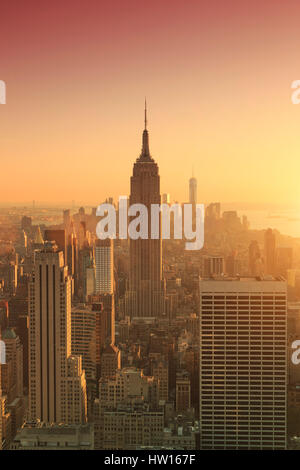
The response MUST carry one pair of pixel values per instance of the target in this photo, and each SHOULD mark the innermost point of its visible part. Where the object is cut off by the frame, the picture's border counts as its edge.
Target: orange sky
(217, 76)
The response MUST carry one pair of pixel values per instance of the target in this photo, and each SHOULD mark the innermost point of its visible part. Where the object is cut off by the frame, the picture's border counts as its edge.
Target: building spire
(145, 113)
(145, 155)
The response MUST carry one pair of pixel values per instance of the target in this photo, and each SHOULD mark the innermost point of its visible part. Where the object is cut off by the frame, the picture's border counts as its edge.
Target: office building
(54, 437)
(212, 265)
(243, 363)
(83, 337)
(104, 257)
(57, 391)
(137, 426)
(110, 361)
(12, 370)
(270, 252)
(144, 297)
(60, 239)
(183, 391)
(193, 191)
(160, 371)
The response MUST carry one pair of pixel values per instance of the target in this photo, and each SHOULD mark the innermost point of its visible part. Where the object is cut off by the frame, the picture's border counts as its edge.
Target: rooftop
(9, 333)
(244, 278)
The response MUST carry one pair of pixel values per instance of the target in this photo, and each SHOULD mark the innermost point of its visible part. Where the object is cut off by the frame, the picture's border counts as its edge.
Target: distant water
(287, 222)
(285, 219)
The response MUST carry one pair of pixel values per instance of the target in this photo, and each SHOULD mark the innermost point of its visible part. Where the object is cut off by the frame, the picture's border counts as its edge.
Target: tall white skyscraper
(243, 363)
(104, 256)
(57, 387)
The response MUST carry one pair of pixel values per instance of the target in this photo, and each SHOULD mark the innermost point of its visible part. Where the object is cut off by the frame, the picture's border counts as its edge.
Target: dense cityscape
(149, 231)
(142, 344)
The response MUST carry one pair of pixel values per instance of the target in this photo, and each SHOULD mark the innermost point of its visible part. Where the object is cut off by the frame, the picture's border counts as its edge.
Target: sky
(217, 76)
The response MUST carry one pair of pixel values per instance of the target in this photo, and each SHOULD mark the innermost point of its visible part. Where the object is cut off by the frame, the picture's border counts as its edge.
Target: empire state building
(145, 298)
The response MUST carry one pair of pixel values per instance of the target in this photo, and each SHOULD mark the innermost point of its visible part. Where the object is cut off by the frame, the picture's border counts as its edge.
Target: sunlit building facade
(243, 363)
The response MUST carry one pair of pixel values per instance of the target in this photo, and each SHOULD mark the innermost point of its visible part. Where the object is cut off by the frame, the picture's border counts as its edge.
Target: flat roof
(267, 278)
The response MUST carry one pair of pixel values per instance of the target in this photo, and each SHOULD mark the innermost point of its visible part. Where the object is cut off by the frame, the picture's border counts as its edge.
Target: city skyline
(150, 291)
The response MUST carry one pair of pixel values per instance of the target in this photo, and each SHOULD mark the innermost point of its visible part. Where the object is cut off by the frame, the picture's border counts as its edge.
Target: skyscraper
(13, 386)
(84, 338)
(57, 387)
(212, 265)
(59, 237)
(145, 295)
(104, 256)
(166, 198)
(270, 251)
(67, 219)
(183, 391)
(255, 261)
(193, 191)
(243, 364)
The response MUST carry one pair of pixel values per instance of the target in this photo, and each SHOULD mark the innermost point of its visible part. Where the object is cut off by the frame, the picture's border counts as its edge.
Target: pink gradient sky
(216, 74)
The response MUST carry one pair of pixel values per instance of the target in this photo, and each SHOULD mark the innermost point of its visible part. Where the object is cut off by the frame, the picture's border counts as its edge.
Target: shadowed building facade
(57, 385)
(145, 295)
